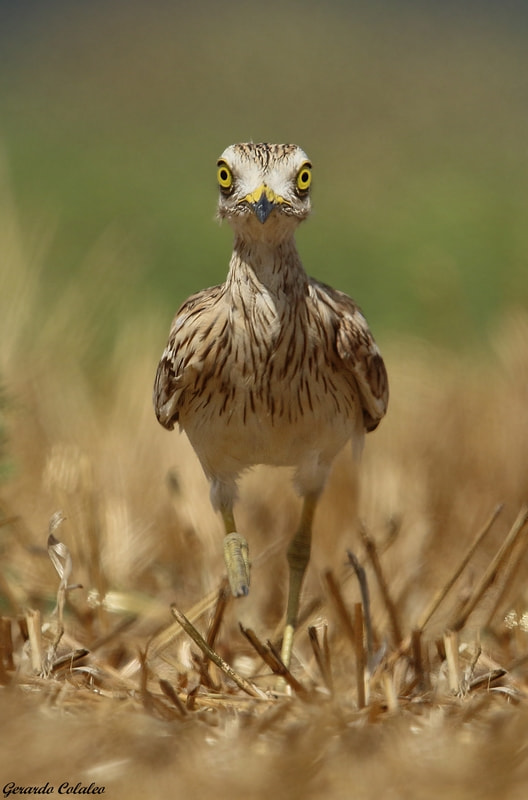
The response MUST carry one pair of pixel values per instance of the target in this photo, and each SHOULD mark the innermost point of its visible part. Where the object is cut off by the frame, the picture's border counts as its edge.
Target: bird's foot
(236, 557)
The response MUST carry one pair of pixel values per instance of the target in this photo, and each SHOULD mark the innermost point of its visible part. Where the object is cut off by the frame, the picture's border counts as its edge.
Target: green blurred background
(415, 115)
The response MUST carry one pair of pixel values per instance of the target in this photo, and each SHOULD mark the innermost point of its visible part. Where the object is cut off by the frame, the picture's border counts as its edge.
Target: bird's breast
(266, 389)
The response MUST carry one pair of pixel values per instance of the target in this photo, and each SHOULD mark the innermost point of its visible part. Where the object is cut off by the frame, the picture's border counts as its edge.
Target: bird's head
(264, 188)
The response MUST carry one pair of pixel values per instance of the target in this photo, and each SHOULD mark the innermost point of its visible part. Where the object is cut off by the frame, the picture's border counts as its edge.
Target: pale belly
(288, 424)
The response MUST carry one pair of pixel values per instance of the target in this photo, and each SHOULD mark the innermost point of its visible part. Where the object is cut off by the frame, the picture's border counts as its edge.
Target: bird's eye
(304, 178)
(224, 176)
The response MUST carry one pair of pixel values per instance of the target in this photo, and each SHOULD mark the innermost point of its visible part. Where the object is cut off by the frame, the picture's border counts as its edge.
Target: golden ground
(109, 689)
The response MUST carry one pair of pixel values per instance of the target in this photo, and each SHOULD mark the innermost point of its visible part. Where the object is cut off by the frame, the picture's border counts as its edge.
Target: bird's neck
(275, 265)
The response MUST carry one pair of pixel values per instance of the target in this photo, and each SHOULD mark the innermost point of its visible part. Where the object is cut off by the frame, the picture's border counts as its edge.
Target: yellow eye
(304, 177)
(224, 175)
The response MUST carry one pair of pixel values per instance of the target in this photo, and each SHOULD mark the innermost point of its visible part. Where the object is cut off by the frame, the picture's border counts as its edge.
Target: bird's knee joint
(298, 555)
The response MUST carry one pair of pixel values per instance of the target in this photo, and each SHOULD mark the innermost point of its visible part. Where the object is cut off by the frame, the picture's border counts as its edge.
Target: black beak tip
(263, 208)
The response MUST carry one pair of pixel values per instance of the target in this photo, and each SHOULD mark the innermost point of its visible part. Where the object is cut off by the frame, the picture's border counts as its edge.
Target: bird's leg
(236, 556)
(298, 558)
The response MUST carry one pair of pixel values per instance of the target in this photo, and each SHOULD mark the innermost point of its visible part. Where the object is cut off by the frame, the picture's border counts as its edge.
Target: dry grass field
(420, 692)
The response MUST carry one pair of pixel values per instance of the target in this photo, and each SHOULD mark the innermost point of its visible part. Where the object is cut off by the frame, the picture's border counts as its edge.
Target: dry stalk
(61, 559)
(452, 659)
(151, 704)
(322, 655)
(416, 646)
(508, 581)
(365, 598)
(214, 628)
(272, 659)
(339, 604)
(68, 661)
(6, 643)
(285, 673)
(360, 655)
(34, 631)
(487, 679)
(387, 679)
(443, 592)
(169, 691)
(372, 553)
(216, 620)
(198, 639)
(492, 571)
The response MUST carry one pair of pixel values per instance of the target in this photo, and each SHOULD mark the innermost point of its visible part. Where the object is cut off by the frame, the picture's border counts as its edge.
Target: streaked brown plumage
(271, 367)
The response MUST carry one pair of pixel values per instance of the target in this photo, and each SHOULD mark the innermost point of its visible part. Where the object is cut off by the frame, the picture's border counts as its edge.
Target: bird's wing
(182, 358)
(360, 355)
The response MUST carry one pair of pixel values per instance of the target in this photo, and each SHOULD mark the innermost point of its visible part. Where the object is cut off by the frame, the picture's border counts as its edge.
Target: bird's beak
(263, 200)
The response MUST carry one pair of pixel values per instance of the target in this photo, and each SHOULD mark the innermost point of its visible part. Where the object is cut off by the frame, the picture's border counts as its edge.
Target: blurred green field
(416, 118)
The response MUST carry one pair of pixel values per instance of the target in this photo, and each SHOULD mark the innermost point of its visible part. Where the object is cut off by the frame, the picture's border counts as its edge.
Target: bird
(272, 366)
